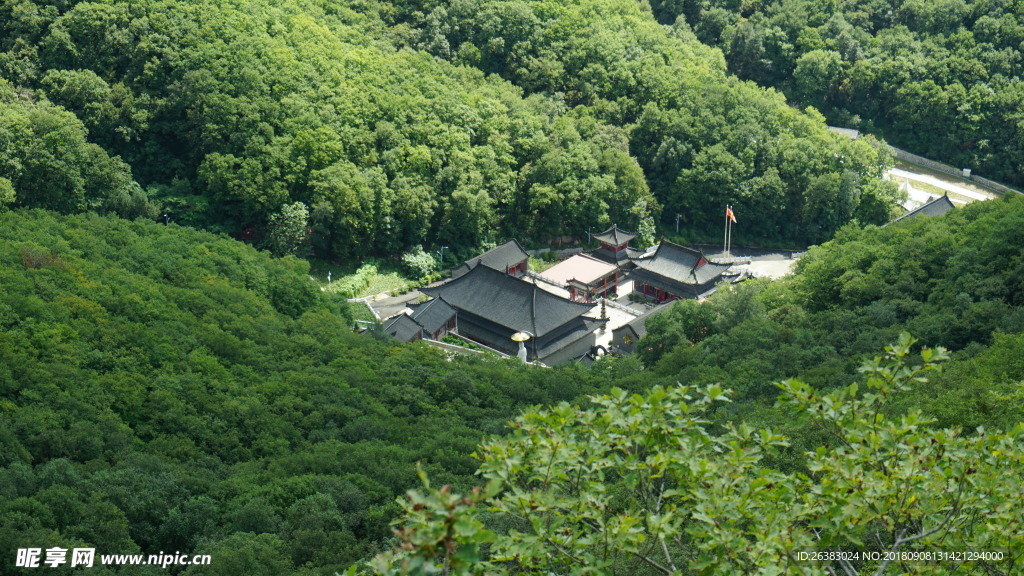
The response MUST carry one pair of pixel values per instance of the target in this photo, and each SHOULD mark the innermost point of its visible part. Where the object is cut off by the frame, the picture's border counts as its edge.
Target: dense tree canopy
(164, 389)
(390, 121)
(47, 161)
(640, 484)
(703, 138)
(941, 78)
(228, 113)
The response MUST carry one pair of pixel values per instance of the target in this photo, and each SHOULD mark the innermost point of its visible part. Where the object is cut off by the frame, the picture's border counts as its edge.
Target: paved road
(763, 263)
(388, 306)
(948, 186)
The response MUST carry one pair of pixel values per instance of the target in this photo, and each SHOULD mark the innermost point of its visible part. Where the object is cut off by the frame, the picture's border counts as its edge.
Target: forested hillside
(702, 138)
(170, 389)
(941, 78)
(390, 124)
(165, 389)
(825, 444)
(954, 281)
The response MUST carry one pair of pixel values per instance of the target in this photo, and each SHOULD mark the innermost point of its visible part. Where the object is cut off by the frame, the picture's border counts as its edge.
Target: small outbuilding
(404, 328)
(436, 317)
(625, 337)
(432, 319)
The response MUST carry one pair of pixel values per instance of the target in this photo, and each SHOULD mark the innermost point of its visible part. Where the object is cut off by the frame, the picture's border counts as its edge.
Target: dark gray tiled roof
(617, 258)
(500, 257)
(639, 324)
(433, 314)
(510, 302)
(935, 207)
(680, 264)
(634, 253)
(402, 327)
(614, 236)
(579, 329)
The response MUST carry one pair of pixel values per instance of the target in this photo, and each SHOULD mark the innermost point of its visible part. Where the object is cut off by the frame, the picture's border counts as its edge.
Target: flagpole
(728, 236)
(725, 239)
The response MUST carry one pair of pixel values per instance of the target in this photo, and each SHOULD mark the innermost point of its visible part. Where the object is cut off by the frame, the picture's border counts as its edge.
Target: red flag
(729, 214)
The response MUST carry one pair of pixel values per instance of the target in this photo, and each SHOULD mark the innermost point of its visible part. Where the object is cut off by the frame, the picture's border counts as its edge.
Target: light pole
(441, 254)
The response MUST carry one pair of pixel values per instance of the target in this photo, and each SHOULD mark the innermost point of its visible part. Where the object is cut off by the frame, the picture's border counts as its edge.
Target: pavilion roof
(614, 236)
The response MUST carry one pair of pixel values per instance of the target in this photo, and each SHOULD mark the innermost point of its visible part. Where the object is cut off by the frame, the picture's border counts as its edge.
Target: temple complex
(495, 300)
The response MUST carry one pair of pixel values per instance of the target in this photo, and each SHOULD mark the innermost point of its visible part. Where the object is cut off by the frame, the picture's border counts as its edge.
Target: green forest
(165, 388)
(772, 423)
(941, 78)
(172, 377)
(396, 125)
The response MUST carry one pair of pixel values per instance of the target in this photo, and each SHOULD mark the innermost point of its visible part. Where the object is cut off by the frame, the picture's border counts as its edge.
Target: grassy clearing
(922, 186)
(389, 282)
(372, 277)
(360, 311)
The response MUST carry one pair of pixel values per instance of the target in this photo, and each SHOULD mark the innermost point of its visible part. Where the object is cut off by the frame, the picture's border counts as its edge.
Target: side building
(675, 271)
(510, 258)
(935, 207)
(431, 319)
(492, 306)
(626, 337)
